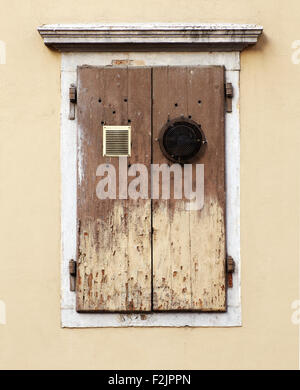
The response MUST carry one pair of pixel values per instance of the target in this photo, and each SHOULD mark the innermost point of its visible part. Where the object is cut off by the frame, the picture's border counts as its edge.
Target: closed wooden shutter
(150, 255)
(114, 235)
(189, 246)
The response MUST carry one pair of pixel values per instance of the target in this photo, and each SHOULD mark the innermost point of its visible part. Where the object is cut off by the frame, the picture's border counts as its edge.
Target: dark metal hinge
(229, 96)
(72, 273)
(230, 266)
(73, 101)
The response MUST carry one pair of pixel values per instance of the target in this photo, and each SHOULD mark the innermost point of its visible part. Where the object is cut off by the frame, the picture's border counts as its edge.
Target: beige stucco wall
(30, 196)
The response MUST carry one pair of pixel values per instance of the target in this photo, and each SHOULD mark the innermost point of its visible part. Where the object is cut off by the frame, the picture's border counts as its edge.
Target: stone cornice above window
(149, 37)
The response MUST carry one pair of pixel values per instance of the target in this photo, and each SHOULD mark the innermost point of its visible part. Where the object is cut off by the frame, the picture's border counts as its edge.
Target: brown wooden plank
(189, 246)
(114, 243)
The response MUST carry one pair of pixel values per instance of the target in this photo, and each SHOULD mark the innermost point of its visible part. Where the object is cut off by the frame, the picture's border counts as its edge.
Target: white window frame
(162, 45)
(69, 316)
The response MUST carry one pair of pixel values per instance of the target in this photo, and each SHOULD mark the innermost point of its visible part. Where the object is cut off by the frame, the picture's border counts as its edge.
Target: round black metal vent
(181, 139)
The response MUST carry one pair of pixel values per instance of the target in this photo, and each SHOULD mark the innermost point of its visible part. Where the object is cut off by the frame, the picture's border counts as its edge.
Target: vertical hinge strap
(229, 96)
(230, 265)
(72, 272)
(73, 101)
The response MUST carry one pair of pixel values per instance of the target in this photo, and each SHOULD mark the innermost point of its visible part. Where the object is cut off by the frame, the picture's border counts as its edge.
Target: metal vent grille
(181, 139)
(116, 141)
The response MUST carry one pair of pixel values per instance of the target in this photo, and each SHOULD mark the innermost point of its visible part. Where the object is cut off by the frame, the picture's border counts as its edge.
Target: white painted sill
(69, 317)
(150, 37)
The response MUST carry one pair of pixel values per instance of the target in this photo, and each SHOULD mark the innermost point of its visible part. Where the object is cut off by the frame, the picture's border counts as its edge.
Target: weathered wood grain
(189, 246)
(114, 236)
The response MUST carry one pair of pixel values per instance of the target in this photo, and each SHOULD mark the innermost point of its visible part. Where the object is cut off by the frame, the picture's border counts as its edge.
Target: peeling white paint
(80, 156)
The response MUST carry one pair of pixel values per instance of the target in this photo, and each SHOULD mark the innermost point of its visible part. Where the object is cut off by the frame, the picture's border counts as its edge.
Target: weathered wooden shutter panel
(114, 236)
(189, 246)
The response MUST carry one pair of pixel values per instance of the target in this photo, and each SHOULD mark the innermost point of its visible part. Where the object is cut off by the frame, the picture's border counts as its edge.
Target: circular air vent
(181, 139)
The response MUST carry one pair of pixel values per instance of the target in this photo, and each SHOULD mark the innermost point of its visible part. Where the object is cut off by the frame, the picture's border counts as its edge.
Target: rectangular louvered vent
(116, 141)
